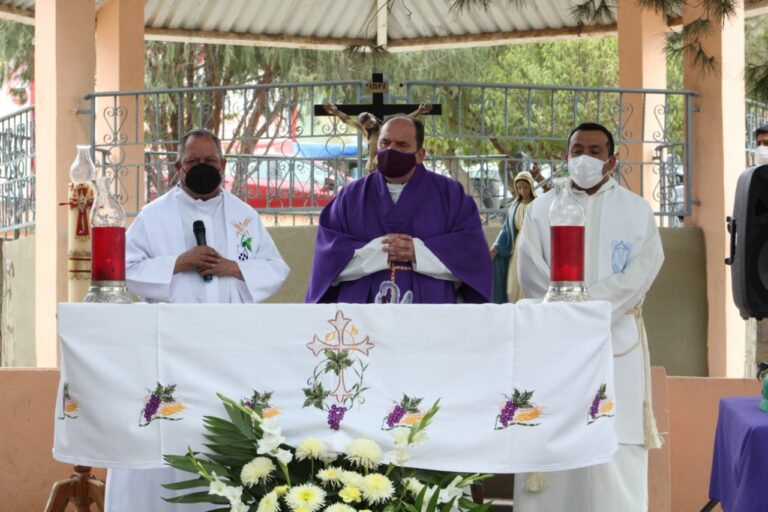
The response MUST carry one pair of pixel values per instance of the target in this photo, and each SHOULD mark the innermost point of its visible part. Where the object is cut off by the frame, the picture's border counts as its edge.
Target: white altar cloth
(471, 357)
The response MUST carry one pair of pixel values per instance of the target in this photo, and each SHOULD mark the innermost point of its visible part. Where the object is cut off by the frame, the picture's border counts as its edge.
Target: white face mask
(585, 171)
(761, 155)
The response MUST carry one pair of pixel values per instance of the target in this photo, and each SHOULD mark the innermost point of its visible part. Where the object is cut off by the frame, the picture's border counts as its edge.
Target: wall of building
(17, 311)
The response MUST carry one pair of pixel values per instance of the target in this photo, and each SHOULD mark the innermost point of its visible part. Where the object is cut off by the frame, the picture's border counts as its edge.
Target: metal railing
(485, 134)
(536, 121)
(288, 163)
(17, 174)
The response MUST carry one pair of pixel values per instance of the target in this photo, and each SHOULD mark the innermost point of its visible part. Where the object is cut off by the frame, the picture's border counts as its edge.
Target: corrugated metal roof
(337, 23)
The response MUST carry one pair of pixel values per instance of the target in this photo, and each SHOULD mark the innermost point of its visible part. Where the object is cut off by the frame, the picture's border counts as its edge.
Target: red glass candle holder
(108, 254)
(567, 253)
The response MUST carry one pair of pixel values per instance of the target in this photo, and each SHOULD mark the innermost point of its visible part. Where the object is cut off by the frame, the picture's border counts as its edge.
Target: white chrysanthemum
(257, 471)
(307, 496)
(412, 485)
(364, 453)
(311, 448)
(351, 479)
(340, 507)
(268, 503)
(331, 476)
(377, 488)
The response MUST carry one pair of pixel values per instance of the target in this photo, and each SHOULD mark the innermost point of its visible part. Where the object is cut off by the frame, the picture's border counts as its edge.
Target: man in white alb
(623, 255)
(164, 263)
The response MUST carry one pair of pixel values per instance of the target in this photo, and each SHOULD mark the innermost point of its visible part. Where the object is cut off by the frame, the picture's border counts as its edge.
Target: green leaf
(180, 462)
(187, 484)
(199, 497)
(243, 423)
(338, 361)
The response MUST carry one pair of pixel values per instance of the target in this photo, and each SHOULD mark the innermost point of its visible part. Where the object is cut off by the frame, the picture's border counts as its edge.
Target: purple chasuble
(433, 208)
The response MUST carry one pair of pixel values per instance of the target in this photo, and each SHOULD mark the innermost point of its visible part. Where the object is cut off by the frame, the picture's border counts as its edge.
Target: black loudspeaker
(749, 243)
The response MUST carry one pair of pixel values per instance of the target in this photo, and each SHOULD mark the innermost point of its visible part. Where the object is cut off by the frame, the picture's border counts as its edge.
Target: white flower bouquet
(251, 469)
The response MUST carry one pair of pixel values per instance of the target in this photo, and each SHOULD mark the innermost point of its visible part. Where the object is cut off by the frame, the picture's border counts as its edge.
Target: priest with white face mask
(623, 255)
(166, 262)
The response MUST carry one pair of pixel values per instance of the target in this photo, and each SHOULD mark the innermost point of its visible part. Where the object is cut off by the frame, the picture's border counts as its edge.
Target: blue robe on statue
(504, 245)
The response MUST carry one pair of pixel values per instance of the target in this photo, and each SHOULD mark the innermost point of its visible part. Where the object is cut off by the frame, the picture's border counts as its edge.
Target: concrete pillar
(64, 73)
(718, 159)
(120, 120)
(642, 65)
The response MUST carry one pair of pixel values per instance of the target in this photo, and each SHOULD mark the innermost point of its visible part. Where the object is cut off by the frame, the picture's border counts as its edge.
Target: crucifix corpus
(370, 117)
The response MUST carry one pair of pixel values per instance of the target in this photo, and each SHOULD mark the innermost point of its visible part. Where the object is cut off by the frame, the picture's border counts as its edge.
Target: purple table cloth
(739, 477)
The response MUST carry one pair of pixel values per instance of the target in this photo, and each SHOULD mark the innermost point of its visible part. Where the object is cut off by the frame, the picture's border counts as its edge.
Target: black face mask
(203, 179)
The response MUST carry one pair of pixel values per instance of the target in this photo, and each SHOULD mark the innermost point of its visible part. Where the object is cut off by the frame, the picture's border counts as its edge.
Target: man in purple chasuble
(401, 224)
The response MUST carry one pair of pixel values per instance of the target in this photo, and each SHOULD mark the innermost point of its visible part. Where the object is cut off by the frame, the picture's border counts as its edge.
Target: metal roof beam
(269, 40)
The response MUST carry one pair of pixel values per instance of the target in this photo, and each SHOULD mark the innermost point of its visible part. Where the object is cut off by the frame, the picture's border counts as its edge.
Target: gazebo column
(64, 71)
(717, 160)
(120, 120)
(642, 65)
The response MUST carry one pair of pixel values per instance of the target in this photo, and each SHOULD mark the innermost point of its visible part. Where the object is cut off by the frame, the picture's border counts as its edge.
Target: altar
(524, 387)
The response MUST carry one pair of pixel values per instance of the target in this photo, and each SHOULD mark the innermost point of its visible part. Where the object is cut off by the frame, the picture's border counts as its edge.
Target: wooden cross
(377, 87)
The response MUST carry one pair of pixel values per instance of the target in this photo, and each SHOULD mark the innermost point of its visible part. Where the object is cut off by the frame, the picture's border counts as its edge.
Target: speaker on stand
(748, 228)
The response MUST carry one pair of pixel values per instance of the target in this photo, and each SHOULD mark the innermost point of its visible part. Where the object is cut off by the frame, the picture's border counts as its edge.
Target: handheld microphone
(198, 228)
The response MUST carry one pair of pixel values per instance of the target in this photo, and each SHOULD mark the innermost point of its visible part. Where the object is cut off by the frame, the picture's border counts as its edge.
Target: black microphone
(198, 228)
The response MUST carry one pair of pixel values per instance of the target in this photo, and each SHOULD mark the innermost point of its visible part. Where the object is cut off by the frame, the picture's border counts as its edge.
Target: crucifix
(370, 117)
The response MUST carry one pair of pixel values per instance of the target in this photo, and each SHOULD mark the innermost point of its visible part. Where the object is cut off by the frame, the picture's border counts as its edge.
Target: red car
(277, 183)
(280, 183)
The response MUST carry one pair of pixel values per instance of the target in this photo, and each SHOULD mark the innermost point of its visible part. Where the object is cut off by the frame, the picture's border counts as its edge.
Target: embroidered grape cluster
(595, 407)
(242, 256)
(335, 415)
(395, 416)
(152, 406)
(508, 412)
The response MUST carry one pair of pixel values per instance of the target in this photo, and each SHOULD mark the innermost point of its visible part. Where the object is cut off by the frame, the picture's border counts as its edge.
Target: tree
(17, 54)
(686, 42)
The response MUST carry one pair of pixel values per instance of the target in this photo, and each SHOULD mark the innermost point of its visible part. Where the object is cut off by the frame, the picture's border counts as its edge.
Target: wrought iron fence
(280, 157)
(17, 174)
(288, 162)
(535, 121)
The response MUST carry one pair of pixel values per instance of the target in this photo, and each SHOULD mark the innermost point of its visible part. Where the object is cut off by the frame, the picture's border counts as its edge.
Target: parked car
(286, 183)
(271, 182)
